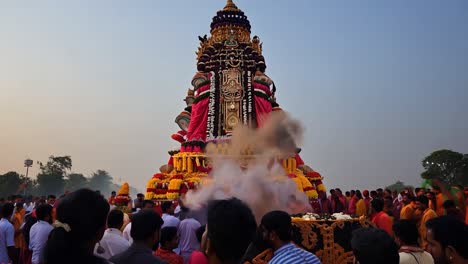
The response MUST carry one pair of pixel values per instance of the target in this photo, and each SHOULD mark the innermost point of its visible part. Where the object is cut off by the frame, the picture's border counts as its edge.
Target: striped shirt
(290, 254)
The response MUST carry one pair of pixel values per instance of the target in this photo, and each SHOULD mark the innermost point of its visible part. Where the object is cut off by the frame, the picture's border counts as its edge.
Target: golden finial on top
(230, 6)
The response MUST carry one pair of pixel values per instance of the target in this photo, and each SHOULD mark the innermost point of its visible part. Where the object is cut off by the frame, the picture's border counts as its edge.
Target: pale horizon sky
(378, 85)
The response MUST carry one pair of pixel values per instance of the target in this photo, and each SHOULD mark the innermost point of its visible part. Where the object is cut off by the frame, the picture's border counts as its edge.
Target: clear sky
(378, 85)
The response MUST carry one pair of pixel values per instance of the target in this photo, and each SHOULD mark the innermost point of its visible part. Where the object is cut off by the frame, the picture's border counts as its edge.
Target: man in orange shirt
(407, 212)
(379, 217)
(422, 203)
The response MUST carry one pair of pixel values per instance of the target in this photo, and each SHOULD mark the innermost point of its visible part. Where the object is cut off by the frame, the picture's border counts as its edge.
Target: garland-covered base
(188, 170)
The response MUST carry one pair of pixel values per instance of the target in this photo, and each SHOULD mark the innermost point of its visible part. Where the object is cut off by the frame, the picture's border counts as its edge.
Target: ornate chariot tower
(229, 88)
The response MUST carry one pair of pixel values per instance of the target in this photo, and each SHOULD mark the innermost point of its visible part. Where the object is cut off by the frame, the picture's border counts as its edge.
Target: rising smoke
(261, 181)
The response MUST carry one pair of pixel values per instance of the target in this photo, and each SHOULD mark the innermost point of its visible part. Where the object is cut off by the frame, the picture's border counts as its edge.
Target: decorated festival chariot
(230, 88)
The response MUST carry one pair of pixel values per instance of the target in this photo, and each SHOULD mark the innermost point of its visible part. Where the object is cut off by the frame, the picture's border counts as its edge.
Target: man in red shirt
(169, 241)
(379, 217)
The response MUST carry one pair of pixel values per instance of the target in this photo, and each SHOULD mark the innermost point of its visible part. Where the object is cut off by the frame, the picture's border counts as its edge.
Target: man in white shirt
(112, 242)
(168, 215)
(40, 232)
(7, 235)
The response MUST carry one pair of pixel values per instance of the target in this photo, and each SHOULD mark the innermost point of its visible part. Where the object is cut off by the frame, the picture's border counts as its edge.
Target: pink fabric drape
(262, 109)
(198, 120)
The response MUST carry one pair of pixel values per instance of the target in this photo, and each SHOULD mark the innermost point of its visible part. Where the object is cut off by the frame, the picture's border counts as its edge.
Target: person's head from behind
(449, 205)
(430, 195)
(358, 195)
(436, 189)
(51, 199)
(7, 210)
(373, 194)
(276, 228)
(365, 193)
(147, 204)
(380, 192)
(406, 232)
(377, 205)
(422, 202)
(332, 192)
(113, 193)
(447, 240)
(347, 194)
(146, 225)
(81, 221)
(168, 207)
(140, 196)
(115, 219)
(169, 239)
(372, 245)
(419, 191)
(230, 228)
(387, 192)
(19, 202)
(44, 213)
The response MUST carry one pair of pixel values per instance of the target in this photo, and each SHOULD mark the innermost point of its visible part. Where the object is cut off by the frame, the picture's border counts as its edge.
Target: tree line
(55, 177)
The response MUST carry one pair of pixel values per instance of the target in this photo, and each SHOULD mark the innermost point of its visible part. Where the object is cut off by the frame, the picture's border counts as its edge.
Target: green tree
(75, 181)
(101, 180)
(51, 178)
(9, 183)
(448, 166)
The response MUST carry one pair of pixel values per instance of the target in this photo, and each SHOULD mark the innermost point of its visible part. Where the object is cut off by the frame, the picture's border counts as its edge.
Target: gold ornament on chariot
(232, 121)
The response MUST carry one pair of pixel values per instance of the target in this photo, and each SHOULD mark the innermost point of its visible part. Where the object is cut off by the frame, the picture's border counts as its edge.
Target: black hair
(359, 194)
(278, 222)
(448, 204)
(51, 196)
(115, 219)
(231, 228)
(332, 191)
(113, 192)
(347, 193)
(29, 221)
(167, 234)
(7, 210)
(42, 211)
(144, 224)
(145, 202)
(372, 245)
(140, 195)
(85, 212)
(449, 231)
(199, 232)
(373, 193)
(165, 206)
(423, 199)
(377, 204)
(407, 231)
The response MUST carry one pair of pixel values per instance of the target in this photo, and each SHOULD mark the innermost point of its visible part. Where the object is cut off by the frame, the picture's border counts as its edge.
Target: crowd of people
(413, 226)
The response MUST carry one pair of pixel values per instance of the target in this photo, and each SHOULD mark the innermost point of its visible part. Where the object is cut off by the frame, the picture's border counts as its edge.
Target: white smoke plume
(262, 182)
